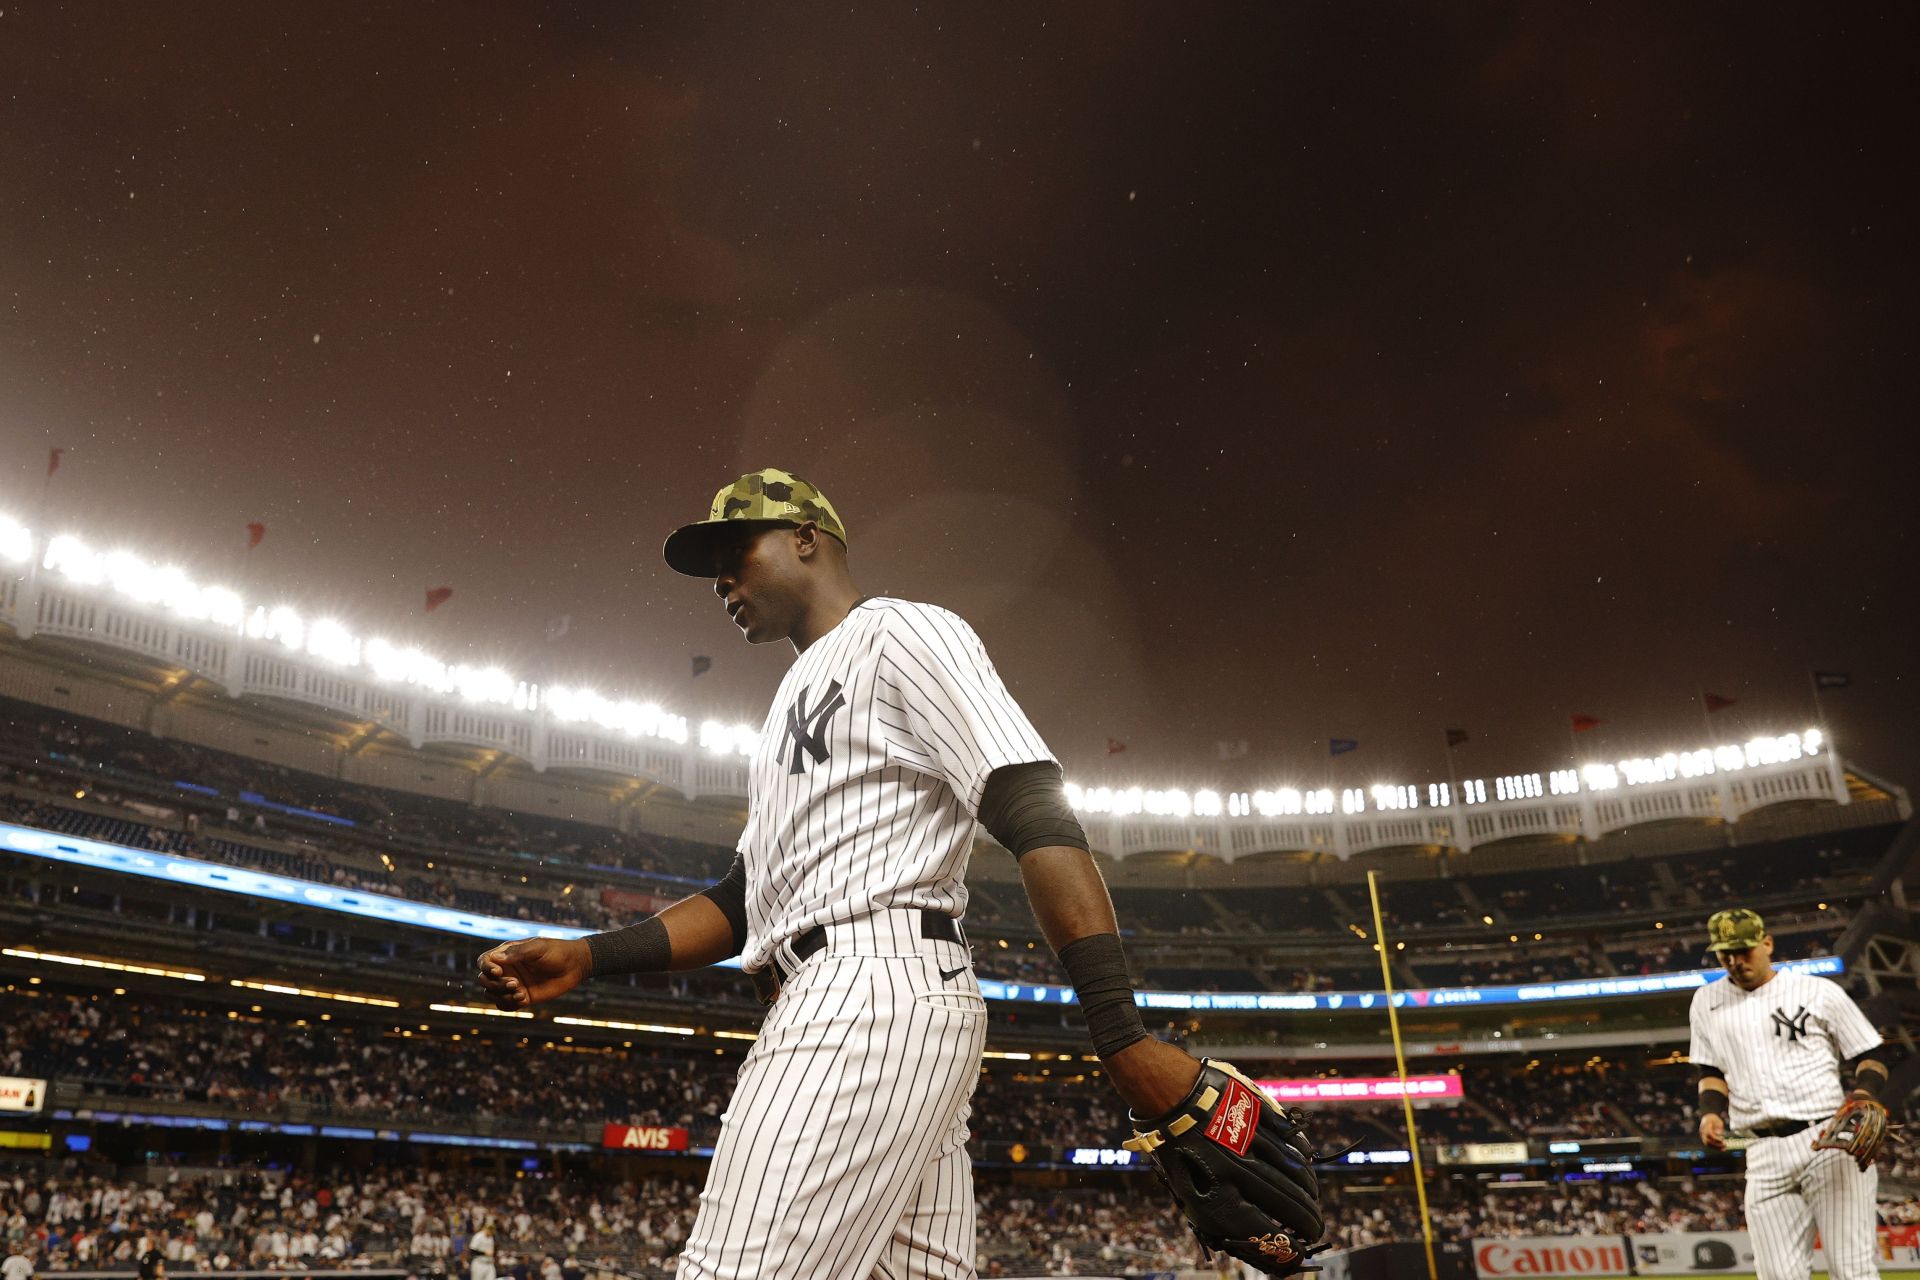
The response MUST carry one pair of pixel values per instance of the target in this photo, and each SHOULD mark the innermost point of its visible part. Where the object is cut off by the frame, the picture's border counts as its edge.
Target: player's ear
(806, 540)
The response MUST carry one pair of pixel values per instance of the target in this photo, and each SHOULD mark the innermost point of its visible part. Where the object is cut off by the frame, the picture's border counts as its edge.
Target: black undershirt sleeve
(729, 894)
(1024, 807)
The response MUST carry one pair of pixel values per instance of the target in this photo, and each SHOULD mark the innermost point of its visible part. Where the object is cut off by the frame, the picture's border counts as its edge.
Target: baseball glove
(1857, 1128)
(1242, 1170)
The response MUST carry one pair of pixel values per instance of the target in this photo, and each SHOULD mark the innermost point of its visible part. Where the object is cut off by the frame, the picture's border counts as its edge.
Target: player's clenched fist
(534, 970)
(1713, 1131)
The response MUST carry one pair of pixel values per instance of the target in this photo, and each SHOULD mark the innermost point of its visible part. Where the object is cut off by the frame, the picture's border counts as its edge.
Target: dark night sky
(1264, 372)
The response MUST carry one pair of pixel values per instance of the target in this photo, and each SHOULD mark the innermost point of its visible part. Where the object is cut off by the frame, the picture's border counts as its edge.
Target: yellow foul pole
(1400, 1062)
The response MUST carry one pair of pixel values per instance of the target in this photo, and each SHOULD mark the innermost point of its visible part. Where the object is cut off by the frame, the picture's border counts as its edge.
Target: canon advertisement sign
(1551, 1256)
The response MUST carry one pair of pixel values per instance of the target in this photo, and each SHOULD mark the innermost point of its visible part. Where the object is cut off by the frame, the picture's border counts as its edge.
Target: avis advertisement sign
(1551, 1256)
(643, 1137)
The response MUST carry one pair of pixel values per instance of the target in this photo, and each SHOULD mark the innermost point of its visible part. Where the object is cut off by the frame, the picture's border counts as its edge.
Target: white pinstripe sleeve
(1852, 1033)
(961, 723)
(1701, 1052)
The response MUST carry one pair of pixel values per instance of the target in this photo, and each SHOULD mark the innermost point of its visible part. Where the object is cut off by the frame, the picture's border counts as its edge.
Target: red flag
(1115, 746)
(1717, 703)
(255, 532)
(437, 596)
(1583, 723)
(53, 461)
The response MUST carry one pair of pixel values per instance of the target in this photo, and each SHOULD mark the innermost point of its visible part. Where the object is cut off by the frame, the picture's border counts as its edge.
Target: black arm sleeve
(1024, 807)
(730, 895)
(1868, 1082)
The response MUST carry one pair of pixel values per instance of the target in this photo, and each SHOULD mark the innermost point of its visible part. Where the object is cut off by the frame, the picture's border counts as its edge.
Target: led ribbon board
(102, 856)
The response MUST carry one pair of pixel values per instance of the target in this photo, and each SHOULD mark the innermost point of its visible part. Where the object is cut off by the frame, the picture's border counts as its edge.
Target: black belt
(936, 925)
(1780, 1129)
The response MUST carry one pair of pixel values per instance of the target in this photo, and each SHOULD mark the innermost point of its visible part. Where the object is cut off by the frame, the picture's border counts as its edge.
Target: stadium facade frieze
(60, 589)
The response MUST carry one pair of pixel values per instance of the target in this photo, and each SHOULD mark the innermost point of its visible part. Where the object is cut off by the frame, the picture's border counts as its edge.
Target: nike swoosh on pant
(946, 976)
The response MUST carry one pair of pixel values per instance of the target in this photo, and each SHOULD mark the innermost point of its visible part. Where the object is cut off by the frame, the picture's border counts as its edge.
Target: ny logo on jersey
(808, 729)
(1793, 1028)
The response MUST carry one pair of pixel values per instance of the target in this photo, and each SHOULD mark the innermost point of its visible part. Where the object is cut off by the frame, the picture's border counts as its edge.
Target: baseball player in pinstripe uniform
(1770, 1049)
(842, 1153)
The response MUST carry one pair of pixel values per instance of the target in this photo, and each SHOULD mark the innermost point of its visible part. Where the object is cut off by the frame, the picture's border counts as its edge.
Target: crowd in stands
(1462, 1212)
(64, 1216)
(239, 1220)
(349, 1066)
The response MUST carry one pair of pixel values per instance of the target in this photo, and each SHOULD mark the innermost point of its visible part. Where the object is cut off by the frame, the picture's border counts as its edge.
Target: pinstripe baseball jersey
(863, 791)
(1780, 1045)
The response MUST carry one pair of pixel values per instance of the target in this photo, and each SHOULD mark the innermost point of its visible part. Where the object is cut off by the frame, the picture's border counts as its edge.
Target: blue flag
(1340, 746)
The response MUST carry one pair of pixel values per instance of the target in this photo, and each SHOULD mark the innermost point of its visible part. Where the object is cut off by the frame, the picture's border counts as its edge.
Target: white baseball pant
(1790, 1188)
(843, 1151)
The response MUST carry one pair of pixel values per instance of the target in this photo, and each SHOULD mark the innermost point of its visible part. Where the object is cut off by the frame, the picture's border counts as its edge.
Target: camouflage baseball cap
(1734, 930)
(762, 499)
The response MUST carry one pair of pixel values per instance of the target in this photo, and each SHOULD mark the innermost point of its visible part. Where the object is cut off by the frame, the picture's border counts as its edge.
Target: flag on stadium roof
(1231, 748)
(437, 596)
(1582, 723)
(1714, 702)
(1115, 746)
(1340, 746)
(1456, 737)
(1832, 679)
(701, 665)
(53, 461)
(559, 625)
(255, 532)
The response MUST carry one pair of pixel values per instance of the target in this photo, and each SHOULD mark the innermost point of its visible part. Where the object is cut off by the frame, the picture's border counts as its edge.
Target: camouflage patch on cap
(773, 494)
(769, 496)
(1735, 929)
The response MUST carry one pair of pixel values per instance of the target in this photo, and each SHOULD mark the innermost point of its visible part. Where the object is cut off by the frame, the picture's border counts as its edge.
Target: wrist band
(1713, 1103)
(638, 948)
(1097, 968)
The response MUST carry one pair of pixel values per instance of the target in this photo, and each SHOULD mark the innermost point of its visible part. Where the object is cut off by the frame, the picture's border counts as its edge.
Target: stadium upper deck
(116, 637)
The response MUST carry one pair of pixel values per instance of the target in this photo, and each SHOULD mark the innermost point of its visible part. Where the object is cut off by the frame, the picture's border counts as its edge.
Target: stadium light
(72, 558)
(16, 541)
(728, 739)
(328, 641)
(625, 1026)
(480, 1010)
(332, 642)
(84, 962)
(281, 989)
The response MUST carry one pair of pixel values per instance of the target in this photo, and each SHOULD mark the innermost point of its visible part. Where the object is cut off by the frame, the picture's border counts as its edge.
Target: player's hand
(1153, 1076)
(534, 970)
(1713, 1131)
